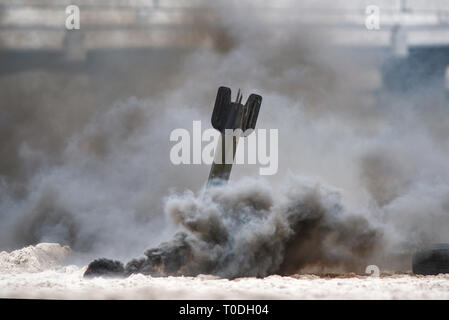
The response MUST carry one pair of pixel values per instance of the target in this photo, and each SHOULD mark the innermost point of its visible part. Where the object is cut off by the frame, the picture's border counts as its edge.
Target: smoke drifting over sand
(84, 172)
(248, 229)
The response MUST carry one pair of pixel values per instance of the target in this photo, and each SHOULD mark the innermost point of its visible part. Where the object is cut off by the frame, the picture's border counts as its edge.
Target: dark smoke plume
(104, 267)
(247, 229)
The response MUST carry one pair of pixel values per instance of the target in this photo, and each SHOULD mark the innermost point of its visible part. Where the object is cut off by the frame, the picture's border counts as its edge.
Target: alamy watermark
(373, 270)
(260, 147)
(72, 21)
(372, 20)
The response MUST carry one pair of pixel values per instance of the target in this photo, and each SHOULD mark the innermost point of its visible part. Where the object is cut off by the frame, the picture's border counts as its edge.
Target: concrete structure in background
(40, 24)
(413, 29)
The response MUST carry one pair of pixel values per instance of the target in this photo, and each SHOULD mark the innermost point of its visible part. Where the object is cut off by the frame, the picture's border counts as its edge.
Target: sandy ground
(37, 272)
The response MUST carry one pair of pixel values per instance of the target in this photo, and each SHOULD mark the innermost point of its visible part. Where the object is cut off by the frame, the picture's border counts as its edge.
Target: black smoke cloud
(248, 229)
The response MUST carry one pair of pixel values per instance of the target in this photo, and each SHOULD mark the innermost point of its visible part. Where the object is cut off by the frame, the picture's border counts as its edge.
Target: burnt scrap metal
(228, 116)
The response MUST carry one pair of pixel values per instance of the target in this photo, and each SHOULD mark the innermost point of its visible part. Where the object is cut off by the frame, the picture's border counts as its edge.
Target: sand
(39, 272)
